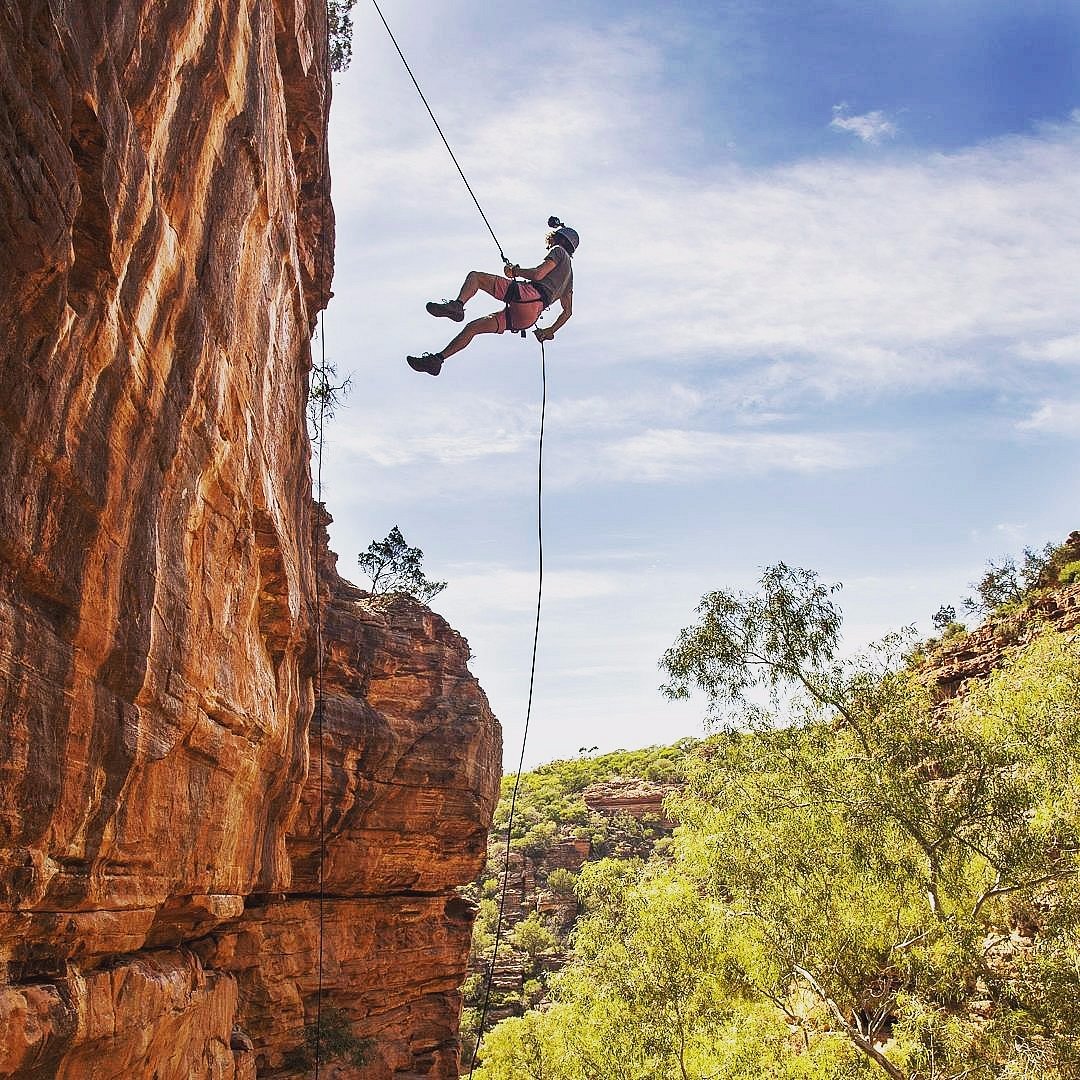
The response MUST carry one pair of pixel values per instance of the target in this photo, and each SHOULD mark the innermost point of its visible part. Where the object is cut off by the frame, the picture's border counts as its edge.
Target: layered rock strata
(974, 655)
(167, 239)
(640, 798)
(406, 768)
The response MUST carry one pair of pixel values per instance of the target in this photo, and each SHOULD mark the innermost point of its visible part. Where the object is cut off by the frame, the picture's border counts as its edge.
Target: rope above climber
(525, 292)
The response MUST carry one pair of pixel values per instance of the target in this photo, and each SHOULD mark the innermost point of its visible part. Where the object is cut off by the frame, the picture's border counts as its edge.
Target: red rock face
(976, 654)
(630, 795)
(410, 771)
(167, 242)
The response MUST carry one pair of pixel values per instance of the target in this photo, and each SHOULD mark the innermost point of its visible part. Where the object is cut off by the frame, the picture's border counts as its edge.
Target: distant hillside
(568, 813)
(876, 875)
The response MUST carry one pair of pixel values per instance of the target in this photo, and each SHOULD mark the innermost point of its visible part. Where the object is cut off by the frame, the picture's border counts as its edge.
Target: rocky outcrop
(640, 798)
(167, 239)
(976, 654)
(406, 768)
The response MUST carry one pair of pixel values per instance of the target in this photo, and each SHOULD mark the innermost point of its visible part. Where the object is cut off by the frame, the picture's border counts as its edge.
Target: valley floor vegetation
(866, 882)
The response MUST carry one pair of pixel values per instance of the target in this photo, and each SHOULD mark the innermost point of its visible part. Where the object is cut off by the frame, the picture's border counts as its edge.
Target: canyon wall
(167, 236)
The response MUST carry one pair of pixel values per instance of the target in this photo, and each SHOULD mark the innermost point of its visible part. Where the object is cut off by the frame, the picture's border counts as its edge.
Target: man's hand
(544, 335)
(511, 270)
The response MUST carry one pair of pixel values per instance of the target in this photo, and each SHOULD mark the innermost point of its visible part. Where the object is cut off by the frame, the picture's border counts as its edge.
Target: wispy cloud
(507, 589)
(679, 455)
(1058, 350)
(1055, 418)
(872, 127)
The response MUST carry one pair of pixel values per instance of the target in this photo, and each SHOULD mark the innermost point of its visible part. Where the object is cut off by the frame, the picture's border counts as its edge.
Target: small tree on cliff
(394, 567)
(339, 16)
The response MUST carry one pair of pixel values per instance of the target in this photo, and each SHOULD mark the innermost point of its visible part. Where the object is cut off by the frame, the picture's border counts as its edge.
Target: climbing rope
(539, 593)
(528, 711)
(319, 706)
(453, 157)
(320, 709)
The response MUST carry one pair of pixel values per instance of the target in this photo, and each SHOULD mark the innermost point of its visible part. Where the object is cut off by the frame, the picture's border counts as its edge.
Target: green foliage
(944, 617)
(339, 16)
(394, 567)
(487, 917)
(1006, 586)
(552, 793)
(786, 635)
(332, 1039)
(562, 882)
(1069, 574)
(532, 992)
(325, 395)
(863, 884)
(533, 936)
(537, 840)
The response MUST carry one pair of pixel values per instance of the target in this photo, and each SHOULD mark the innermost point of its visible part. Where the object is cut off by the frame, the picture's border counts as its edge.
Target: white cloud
(1055, 418)
(1058, 350)
(679, 455)
(505, 589)
(871, 127)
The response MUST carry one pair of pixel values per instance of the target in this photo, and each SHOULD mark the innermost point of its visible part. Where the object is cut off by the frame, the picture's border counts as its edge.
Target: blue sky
(825, 313)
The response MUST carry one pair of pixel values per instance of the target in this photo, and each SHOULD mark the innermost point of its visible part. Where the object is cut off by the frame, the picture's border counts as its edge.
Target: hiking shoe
(448, 309)
(429, 362)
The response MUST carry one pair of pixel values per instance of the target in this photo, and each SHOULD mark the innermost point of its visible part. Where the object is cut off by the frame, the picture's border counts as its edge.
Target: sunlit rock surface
(167, 241)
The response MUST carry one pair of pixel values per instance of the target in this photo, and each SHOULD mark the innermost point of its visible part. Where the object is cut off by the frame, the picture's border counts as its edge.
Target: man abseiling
(524, 300)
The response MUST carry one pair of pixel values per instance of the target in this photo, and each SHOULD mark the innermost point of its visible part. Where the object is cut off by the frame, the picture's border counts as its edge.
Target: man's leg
(476, 280)
(489, 324)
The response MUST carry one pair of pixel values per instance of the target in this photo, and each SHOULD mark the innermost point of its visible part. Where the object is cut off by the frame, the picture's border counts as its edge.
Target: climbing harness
(528, 712)
(519, 316)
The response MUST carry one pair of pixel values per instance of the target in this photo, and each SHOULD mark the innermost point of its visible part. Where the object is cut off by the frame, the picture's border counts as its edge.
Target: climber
(525, 300)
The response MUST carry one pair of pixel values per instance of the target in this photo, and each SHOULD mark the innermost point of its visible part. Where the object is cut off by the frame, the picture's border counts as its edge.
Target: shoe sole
(440, 311)
(423, 368)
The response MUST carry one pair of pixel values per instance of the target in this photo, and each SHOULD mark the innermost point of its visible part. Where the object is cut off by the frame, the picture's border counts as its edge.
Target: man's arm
(535, 274)
(567, 303)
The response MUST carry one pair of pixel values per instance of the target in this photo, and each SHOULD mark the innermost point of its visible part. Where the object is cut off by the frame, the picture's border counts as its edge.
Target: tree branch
(859, 1040)
(1003, 890)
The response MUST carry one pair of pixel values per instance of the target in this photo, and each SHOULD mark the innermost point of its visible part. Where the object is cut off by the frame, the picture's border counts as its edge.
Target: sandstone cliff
(167, 238)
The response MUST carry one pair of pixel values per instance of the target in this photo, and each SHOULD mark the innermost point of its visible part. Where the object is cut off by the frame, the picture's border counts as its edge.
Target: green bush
(1069, 574)
(395, 567)
(1008, 585)
(561, 882)
(537, 840)
(533, 936)
(531, 992)
(332, 1039)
